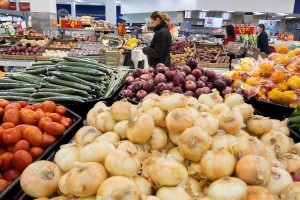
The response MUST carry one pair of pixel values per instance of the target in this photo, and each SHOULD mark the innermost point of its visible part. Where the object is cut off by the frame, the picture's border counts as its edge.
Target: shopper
(167, 20)
(159, 49)
(230, 34)
(262, 39)
(121, 28)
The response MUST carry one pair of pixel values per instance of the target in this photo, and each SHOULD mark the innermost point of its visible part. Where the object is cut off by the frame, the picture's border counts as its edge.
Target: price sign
(26, 33)
(75, 24)
(244, 30)
(68, 33)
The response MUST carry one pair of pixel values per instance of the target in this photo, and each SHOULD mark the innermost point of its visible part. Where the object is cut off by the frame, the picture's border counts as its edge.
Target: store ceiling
(85, 2)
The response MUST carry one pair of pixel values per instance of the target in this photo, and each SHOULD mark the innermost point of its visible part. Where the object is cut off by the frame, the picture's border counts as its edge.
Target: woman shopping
(262, 39)
(230, 34)
(159, 49)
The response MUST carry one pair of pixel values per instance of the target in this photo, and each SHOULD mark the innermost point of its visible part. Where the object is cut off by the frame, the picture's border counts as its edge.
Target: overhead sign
(24, 6)
(244, 30)
(75, 24)
(12, 6)
(213, 22)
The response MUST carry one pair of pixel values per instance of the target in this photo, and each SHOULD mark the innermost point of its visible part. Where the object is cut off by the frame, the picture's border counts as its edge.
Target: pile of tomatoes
(25, 132)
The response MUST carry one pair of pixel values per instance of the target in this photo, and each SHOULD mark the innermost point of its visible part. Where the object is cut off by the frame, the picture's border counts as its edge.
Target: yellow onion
(242, 133)
(193, 112)
(203, 198)
(211, 99)
(159, 139)
(84, 179)
(174, 137)
(95, 152)
(222, 141)
(139, 150)
(215, 165)
(193, 143)
(158, 115)
(122, 163)
(110, 137)
(148, 161)
(279, 142)
(227, 188)
(193, 102)
(259, 193)
(105, 122)
(100, 104)
(259, 125)
(166, 171)
(140, 128)
(92, 114)
(296, 149)
(292, 161)
(170, 101)
(119, 187)
(144, 185)
(254, 170)
(248, 145)
(150, 198)
(217, 109)
(232, 100)
(230, 121)
(40, 179)
(86, 135)
(246, 110)
(272, 158)
(193, 187)
(279, 179)
(281, 126)
(175, 153)
(68, 198)
(203, 108)
(148, 103)
(121, 110)
(178, 120)
(121, 129)
(208, 123)
(173, 193)
(291, 192)
(66, 156)
(194, 171)
(152, 96)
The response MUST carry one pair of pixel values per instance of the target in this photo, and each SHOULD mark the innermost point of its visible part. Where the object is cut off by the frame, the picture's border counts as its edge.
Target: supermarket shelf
(16, 63)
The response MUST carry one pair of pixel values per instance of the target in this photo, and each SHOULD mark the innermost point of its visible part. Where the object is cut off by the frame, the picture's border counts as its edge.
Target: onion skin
(259, 125)
(171, 101)
(144, 185)
(105, 122)
(121, 129)
(175, 153)
(207, 123)
(173, 193)
(246, 110)
(193, 143)
(110, 137)
(230, 121)
(247, 145)
(279, 179)
(227, 188)
(158, 115)
(91, 115)
(292, 161)
(277, 141)
(140, 128)
(159, 139)
(40, 179)
(254, 170)
(296, 149)
(291, 192)
(211, 99)
(223, 141)
(259, 193)
(121, 110)
(95, 152)
(178, 120)
(86, 135)
(119, 187)
(232, 100)
(66, 156)
(215, 165)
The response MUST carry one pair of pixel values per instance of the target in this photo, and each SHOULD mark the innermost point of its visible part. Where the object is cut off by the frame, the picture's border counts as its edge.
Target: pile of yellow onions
(172, 147)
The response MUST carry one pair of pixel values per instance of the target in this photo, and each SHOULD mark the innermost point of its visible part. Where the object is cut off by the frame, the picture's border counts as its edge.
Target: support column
(111, 12)
(17, 5)
(73, 8)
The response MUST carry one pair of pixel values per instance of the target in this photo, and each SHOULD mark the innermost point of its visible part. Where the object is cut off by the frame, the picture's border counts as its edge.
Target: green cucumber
(298, 107)
(72, 59)
(15, 98)
(52, 86)
(56, 60)
(80, 70)
(296, 113)
(59, 99)
(68, 91)
(77, 64)
(42, 70)
(38, 95)
(8, 80)
(294, 120)
(58, 81)
(41, 63)
(294, 126)
(38, 67)
(7, 93)
(20, 90)
(86, 77)
(21, 77)
(17, 85)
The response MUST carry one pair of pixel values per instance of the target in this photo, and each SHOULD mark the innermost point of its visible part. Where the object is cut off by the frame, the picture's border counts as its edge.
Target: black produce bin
(15, 188)
(120, 96)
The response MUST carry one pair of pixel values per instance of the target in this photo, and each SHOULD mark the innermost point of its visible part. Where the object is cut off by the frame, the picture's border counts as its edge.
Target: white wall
(43, 6)
(149, 6)
(141, 17)
(274, 6)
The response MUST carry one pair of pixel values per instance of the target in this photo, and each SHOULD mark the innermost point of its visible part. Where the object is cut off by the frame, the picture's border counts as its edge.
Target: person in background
(121, 28)
(167, 20)
(159, 49)
(262, 39)
(230, 34)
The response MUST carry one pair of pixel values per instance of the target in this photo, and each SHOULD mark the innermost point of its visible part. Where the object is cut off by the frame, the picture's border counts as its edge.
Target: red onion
(151, 69)
(161, 87)
(137, 72)
(144, 77)
(146, 71)
(182, 73)
(141, 94)
(127, 93)
(204, 90)
(190, 85)
(129, 80)
(228, 81)
(220, 84)
(170, 75)
(137, 86)
(201, 69)
(197, 93)
(160, 65)
(160, 69)
(200, 84)
(210, 74)
(227, 90)
(204, 79)
(197, 73)
(165, 92)
(170, 86)
(130, 87)
(210, 85)
(149, 86)
(177, 89)
(189, 94)
(137, 79)
(179, 80)
(166, 69)
(192, 63)
(160, 78)
(186, 69)
(296, 175)
(190, 77)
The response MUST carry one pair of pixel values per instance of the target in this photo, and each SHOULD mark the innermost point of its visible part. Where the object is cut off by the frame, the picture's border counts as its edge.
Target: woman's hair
(158, 15)
(166, 17)
(230, 31)
(262, 26)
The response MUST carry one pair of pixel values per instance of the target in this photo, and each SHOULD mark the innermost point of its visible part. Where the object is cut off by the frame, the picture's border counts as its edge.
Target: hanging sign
(75, 24)
(244, 30)
(285, 37)
(24, 6)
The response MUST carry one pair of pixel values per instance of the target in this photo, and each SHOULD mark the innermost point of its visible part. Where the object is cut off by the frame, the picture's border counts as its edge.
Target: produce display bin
(120, 96)
(14, 188)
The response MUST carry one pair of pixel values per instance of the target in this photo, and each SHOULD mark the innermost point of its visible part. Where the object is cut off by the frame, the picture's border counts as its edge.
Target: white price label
(82, 35)
(54, 34)
(68, 33)
(74, 34)
(26, 33)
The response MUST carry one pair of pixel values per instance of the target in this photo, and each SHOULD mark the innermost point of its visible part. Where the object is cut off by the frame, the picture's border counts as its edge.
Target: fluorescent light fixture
(282, 14)
(230, 11)
(290, 17)
(205, 10)
(68, 2)
(118, 2)
(96, 4)
(79, 0)
(258, 13)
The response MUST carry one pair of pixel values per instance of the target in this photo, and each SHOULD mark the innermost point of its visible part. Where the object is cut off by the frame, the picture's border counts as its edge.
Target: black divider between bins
(15, 188)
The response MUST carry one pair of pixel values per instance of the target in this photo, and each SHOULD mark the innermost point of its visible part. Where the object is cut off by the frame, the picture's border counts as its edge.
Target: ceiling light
(230, 11)
(79, 0)
(96, 4)
(281, 14)
(258, 13)
(118, 2)
(290, 17)
(205, 10)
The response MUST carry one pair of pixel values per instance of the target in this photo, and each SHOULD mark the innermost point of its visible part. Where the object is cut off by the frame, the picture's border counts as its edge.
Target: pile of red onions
(190, 80)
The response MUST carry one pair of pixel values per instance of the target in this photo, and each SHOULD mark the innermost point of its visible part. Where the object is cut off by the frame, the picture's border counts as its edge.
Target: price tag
(74, 34)
(54, 34)
(82, 35)
(26, 33)
(68, 33)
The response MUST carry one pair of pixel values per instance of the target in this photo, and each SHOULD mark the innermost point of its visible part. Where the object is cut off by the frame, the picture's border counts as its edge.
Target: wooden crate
(214, 65)
(63, 42)
(255, 53)
(208, 46)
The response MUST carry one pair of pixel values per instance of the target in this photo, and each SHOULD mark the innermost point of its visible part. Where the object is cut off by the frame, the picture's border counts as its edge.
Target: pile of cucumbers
(294, 120)
(62, 80)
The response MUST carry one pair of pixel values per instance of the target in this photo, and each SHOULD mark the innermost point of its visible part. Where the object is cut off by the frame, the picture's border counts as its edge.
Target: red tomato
(36, 152)
(21, 159)
(6, 161)
(3, 185)
(47, 140)
(54, 128)
(8, 125)
(2, 144)
(11, 136)
(2, 151)
(39, 114)
(21, 145)
(3, 103)
(22, 127)
(61, 110)
(33, 135)
(49, 106)
(12, 106)
(11, 174)
(64, 122)
(36, 106)
(10, 148)
(1, 112)
(43, 122)
(54, 116)
(23, 103)
(12, 115)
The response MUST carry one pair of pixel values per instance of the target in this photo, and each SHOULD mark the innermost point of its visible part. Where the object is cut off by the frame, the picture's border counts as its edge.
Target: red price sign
(70, 24)
(244, 30)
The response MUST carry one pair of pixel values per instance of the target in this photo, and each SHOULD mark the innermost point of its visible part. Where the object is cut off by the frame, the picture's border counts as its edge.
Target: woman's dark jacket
(159, 50)
(262, 42)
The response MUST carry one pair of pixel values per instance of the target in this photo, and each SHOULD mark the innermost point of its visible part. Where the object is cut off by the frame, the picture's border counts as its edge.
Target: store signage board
(285, 37)
(24, 6)
(12, 6)
(6, 18)
(213, 22)
(244, 30)
(74, 24)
